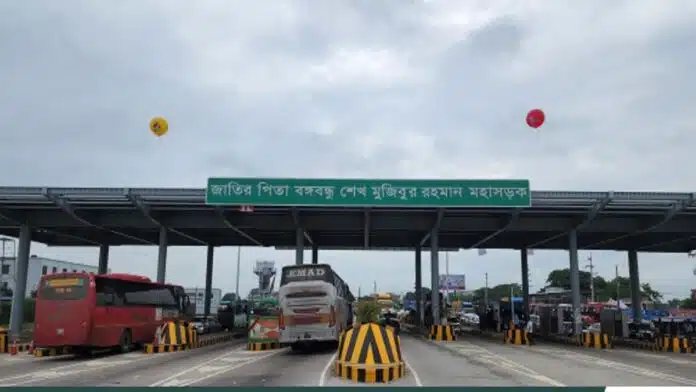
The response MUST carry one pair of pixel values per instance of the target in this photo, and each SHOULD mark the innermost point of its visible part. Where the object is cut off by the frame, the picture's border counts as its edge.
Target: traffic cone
(13, 347)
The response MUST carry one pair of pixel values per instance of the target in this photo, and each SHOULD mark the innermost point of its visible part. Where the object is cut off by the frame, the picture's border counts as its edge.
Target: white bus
(316, 305)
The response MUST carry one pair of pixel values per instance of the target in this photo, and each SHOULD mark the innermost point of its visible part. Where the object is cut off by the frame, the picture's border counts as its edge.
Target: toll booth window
(44, 270)
(54, 270)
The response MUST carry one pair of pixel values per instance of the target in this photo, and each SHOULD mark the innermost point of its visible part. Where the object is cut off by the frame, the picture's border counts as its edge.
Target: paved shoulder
(583, 367)
(464, 364)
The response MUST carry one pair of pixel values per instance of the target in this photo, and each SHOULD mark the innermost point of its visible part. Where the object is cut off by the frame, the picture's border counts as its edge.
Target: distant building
(38, 266)
(197, 296)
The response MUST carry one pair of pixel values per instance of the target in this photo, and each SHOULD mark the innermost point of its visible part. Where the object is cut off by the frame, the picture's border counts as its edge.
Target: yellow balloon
(159, 126)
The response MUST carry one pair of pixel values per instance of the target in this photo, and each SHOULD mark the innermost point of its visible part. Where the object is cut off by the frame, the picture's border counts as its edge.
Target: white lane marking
(658, 357)
(197, 368)
(325, 371)
(175, 382)
(233, 359)
(210, 369)
(68, 370)
(417, 379)
(485, 355)
(623, 367)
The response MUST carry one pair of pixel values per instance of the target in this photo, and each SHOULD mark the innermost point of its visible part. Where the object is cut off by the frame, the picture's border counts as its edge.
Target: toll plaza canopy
(353, 214)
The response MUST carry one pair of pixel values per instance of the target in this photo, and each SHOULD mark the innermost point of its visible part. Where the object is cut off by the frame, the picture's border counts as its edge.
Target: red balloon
(536, 118)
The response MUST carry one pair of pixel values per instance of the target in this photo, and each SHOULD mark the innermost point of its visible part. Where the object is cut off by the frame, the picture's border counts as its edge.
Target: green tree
(674, 302)
(495, 293)
(561, 278)
(688, 303)
(652, 294)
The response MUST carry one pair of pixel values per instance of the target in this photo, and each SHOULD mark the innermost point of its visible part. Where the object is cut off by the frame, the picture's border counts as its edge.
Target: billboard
(452, 282)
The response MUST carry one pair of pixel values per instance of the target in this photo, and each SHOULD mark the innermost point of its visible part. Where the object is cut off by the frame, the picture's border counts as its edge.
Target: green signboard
(368, 193)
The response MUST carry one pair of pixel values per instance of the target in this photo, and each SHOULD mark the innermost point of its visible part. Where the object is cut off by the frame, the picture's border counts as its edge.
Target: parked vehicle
(85, 311)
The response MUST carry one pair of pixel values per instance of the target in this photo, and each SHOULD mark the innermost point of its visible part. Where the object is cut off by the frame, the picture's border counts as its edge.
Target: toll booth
(614, 323)
(555, 320)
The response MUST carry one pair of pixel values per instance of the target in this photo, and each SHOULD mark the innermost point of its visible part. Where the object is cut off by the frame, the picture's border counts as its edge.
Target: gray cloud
(345, 88)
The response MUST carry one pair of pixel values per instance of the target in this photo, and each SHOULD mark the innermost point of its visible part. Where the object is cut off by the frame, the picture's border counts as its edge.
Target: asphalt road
(469, 362)
(558, 365)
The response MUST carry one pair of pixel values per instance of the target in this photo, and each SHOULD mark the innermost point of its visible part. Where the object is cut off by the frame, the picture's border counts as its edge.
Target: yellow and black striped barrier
(5, 343)
(517, 336)
(675, 344)
(51, 352)
(263, 346)
(173, 336)
(164, 348)
(652, 345)
(596, 340)
(442, 333)
(369, 353)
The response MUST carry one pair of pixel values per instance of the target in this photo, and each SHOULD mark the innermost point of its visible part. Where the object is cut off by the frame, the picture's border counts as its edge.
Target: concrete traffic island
(180, 335)
(264, 334)
(369, 353)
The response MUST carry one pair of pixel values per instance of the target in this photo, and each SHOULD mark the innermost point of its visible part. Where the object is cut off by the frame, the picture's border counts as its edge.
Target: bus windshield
(63, 289)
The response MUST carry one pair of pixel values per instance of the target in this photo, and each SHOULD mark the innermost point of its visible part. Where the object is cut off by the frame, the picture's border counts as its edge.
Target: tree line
(604, 289)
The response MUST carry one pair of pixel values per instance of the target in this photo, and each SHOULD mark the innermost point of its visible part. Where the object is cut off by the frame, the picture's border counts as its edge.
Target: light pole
(590, 266)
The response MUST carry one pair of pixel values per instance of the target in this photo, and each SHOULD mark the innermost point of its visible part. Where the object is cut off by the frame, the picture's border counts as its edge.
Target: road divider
(263, 346)
(594, 340)
(442, 332)
(51, 352)
(7, 346)
(517, 336)
(369, 353)
(180, 336)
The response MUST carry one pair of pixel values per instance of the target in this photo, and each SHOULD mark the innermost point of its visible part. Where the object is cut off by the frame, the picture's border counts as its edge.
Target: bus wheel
(126, 341)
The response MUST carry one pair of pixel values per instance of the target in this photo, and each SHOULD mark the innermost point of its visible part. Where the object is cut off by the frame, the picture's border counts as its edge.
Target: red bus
(591, 311)
(86, 311)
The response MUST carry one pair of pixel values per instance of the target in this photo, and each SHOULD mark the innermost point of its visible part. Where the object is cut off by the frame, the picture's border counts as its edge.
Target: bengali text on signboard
(368, 192)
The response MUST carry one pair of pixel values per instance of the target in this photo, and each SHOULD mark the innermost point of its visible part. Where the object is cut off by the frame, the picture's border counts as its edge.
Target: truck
(197, 295)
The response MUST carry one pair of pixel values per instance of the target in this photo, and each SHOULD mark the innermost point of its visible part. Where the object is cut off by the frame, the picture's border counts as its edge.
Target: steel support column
(103, 267)
(636, 300)
(315, 254)
(419, 288)
(575, 280)
(162, 254)
(299, 246)
(210, 255)
(435, 277)
(19, 292)
(525, 281)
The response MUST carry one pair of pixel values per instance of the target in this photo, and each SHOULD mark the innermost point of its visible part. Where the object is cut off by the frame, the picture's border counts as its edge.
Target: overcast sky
(363, 88)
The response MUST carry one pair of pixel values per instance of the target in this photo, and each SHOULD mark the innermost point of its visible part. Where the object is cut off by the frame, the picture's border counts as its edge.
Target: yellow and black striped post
(596, 340)
(442, 333)
(192, 334)
(4, 341)
(517, 336)
(369, 353)
(263, 346)
(50, 352)
(675, 344)
(174, 336)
